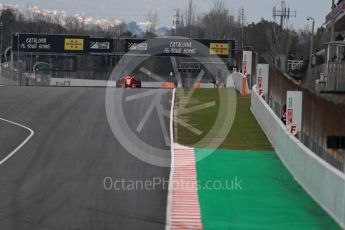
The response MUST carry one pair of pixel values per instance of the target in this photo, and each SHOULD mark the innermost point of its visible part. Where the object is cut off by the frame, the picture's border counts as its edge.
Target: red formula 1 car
(129, 81)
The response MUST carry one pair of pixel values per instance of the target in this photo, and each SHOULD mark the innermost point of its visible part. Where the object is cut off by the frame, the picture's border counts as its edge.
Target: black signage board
(100, 45)
(183, 47)
(47, 43)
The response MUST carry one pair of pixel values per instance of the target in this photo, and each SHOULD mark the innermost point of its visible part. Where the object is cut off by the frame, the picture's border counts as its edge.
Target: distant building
(339, 15)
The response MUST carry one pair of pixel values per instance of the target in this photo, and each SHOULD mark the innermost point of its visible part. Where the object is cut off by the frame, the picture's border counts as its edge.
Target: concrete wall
(80, 82)
(103, 83)
(324, 183)
(323, 115)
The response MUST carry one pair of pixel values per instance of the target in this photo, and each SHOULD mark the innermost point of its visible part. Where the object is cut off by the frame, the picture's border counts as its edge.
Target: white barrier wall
(95, 83)
(79, 82)
(104, 83)
(325, 184)
(237, 79)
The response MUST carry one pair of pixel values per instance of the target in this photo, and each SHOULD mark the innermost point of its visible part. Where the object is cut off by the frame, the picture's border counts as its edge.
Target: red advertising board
(293, 129)
(260, 86)
(289, 117)
(260, 82)
(244, 67)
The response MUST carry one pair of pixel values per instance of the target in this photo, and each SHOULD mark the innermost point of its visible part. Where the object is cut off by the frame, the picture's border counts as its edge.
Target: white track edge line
(170, 189)
(22, 144)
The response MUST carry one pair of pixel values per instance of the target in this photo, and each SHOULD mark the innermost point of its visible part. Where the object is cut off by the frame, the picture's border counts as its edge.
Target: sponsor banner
(181, 47)
(262, 78)
(74, 44)
(289, 116)
(260, 86)
(219, 49)
(101, 45)
(48, 43)
(293, 129)
(189, 66)
(136, 45)
(247, 62)
(294, 102)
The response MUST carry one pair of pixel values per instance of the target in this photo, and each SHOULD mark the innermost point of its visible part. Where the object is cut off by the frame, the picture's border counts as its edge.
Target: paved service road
(56, 181)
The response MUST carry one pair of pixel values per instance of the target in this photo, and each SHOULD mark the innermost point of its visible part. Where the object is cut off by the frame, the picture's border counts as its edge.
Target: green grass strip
(265, 197)
(245, 132)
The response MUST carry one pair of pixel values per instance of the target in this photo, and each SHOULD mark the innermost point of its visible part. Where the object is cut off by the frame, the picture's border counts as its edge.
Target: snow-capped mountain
(61, 17)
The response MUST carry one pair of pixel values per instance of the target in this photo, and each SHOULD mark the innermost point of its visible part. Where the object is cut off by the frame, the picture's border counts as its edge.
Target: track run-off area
(243, 184)
(56, 178)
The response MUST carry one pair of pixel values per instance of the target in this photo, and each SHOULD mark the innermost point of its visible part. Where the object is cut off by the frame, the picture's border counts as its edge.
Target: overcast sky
(137, 9)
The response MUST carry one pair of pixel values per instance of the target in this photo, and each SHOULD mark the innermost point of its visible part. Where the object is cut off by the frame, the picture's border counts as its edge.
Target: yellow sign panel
(219, 48)
(74, 44)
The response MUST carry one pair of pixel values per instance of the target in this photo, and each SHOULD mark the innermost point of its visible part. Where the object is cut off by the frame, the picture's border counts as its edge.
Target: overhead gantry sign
(52, 43)
(181, 47)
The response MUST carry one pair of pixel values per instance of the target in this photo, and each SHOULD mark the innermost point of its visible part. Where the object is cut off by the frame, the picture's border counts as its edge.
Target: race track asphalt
(56, 181)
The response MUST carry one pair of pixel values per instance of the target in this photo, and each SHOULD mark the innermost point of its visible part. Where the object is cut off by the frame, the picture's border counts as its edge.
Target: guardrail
(9, 73)
(324, 183)
(25, 78)
(295, 64)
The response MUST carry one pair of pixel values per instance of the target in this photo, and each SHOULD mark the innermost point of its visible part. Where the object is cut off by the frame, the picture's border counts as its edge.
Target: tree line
(265, 37)
(13, 21)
